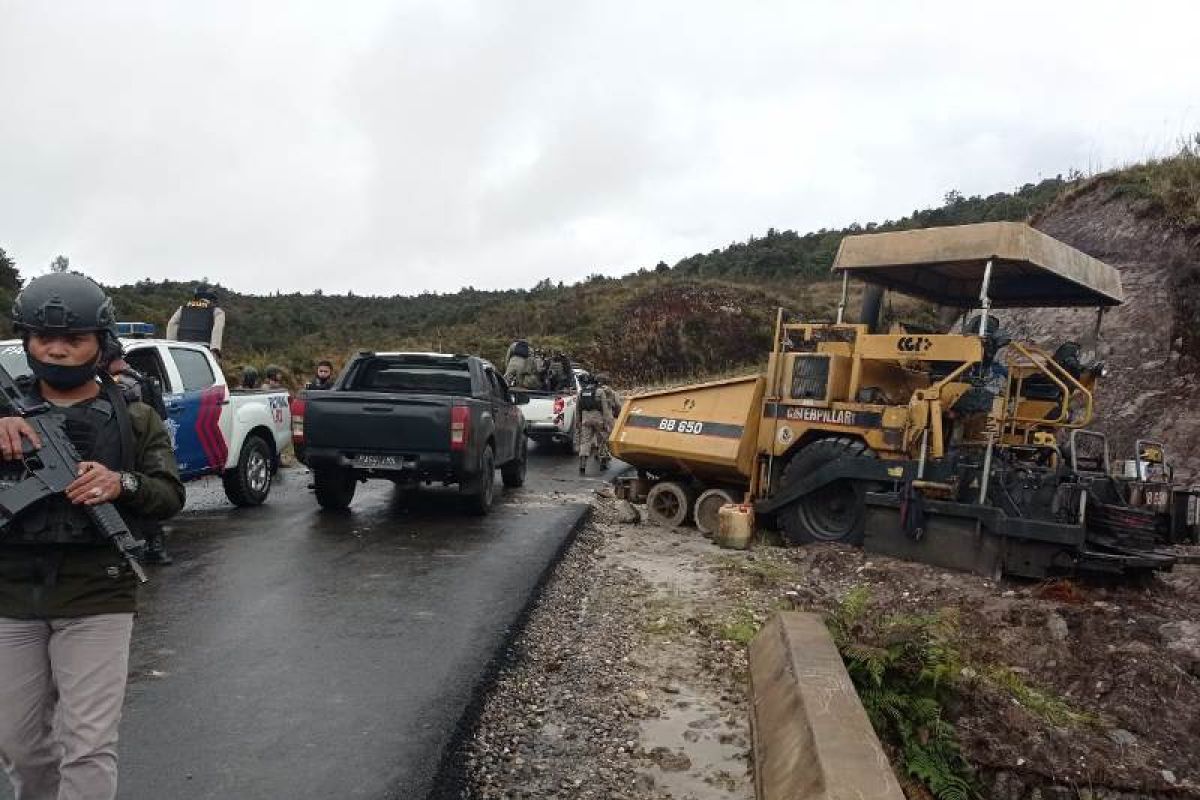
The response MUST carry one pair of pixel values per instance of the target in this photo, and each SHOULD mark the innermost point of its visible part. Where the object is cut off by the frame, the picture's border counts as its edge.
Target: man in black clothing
(324, 379)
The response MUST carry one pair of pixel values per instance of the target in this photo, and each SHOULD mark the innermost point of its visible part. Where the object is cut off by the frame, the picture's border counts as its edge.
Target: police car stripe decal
(208, 427)
(690, 427)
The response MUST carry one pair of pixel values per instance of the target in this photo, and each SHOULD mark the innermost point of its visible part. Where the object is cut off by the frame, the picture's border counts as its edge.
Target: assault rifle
(52, 468)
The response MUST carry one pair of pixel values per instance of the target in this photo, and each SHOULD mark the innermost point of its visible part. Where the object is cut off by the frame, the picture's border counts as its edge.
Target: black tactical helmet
(274, 372)
(249, 377)
(205, 292)
(64, 302)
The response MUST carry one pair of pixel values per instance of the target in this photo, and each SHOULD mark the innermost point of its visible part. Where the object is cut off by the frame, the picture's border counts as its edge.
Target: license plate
(378, 462)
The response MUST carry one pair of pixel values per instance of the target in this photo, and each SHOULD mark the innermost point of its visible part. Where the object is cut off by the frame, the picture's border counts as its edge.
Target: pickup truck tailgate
(371, 422)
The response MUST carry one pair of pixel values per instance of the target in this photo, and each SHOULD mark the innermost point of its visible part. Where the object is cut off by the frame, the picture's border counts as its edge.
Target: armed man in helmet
(199, 320)
(67, 597)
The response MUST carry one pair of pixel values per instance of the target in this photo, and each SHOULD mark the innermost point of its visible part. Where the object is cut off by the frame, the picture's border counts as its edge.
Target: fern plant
(903, 669)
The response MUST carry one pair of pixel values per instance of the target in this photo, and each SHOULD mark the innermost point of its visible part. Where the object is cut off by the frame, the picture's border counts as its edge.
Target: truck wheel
(481, 491)
(708, 507)
(513, 473)
(334, 488)
(668, 504)
(249, 483)
(573, 445)
(836, 511)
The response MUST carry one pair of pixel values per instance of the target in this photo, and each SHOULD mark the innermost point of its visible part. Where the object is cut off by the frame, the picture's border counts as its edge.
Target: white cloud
(401, 147)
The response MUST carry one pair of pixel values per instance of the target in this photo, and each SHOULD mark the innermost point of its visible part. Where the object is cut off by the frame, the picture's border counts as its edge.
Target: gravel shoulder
(629, 680)
(621, 684)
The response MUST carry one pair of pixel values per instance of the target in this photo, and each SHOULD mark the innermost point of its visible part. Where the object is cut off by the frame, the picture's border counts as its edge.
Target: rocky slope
(1151, 344)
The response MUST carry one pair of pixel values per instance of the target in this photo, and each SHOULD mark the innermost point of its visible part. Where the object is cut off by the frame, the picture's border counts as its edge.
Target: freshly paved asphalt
(293, 653)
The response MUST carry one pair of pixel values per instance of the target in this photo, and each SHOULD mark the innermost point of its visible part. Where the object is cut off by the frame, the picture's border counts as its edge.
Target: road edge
(449, 781)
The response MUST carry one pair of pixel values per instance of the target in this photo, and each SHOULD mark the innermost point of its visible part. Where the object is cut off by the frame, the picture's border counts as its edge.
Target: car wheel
(481, 491)
(513, 473)
(334, 488)
(249, 483)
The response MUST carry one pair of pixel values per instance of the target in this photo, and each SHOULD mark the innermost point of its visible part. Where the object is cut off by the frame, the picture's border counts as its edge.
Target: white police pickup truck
(553, 417)
(237, 434)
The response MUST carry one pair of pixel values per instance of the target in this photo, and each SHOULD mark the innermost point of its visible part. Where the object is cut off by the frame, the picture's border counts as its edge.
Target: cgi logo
(914, 344)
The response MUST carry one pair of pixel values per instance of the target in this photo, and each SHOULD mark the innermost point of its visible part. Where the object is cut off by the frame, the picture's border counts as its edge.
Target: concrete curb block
(812, 738)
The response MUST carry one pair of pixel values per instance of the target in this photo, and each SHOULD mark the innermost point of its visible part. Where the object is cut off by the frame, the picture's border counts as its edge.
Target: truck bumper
(441, 467)
(546, 431)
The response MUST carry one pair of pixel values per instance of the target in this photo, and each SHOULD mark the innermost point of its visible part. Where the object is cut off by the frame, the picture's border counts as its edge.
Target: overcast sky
(386, 147)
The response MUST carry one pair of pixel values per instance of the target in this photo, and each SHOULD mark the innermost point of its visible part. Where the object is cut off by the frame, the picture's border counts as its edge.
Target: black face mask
(61, 377)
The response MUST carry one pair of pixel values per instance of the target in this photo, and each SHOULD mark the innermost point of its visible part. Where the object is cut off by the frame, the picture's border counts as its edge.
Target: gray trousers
(62, 685)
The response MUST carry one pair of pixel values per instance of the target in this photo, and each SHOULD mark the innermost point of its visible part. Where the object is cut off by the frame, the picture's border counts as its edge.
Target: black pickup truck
(414, 418)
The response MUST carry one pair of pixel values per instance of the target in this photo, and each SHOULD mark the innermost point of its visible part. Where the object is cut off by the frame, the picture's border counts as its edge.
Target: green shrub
(904, 668)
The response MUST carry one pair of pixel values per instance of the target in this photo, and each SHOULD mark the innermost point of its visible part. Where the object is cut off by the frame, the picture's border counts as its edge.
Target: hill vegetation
(710, 312)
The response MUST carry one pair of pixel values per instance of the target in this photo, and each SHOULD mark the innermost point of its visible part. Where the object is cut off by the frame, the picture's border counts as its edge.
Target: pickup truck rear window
(428, 377)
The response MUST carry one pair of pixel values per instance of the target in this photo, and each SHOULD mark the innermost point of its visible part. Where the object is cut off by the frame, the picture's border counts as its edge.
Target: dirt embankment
(1151, 344)
(630, 680)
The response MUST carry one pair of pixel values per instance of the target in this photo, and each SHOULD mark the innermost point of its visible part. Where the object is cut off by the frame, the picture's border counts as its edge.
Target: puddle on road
(698, 755)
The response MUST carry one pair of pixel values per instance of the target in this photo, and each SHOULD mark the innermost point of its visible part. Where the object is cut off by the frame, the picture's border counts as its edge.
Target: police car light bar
(136, 330)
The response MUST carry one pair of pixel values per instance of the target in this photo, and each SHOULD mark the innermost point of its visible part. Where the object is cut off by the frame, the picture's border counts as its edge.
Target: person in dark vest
(199, 320)
(273, 378)
(67, 597)
(324, 379)
(595, 415)
(250, 378)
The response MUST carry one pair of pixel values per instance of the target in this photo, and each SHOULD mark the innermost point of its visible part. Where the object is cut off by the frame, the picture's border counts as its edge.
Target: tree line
(702, 314)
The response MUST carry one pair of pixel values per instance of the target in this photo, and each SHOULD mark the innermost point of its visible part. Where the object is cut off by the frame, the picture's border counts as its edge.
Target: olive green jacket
(75, 580)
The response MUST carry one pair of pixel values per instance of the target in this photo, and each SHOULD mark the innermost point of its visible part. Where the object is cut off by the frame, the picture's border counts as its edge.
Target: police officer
(67, 598)
(249, 377)
(139, 388)
(199, 320)
(614, 408)
(594, 409)
(324, 378)
(273, 377)
(516, 362)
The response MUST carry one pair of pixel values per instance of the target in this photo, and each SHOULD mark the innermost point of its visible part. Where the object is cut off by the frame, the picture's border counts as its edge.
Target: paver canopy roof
(946, 265)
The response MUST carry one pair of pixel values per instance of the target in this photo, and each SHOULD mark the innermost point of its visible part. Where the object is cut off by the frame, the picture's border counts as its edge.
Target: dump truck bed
(707, 431)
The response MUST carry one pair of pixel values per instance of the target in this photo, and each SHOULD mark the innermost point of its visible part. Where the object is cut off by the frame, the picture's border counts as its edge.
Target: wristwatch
(130, 483)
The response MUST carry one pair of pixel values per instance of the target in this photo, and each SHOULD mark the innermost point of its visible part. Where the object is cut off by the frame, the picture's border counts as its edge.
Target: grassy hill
(708, 313)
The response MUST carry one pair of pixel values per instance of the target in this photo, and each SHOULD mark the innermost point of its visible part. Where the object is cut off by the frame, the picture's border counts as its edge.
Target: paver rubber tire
(707, 510)
(669, 504)
(834, 513)
(334, 488)
(249, 483)
(480, 492)
(513, 473)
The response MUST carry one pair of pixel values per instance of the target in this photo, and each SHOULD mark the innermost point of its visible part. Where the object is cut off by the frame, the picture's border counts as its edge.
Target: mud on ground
(630, 679)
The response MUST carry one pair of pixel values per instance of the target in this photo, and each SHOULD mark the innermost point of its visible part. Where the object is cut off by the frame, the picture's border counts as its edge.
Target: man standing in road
(324, 379)
(67, 597)
(610, 419)
(199, 320)
(139, 388)
(595, 410)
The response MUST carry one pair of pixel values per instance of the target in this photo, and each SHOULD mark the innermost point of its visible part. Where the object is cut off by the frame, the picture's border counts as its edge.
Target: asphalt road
(293, 653)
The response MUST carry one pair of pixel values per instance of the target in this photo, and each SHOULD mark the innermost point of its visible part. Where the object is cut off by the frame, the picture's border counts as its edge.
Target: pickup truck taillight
(460, 427)
(297, 408)
(560, 403)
